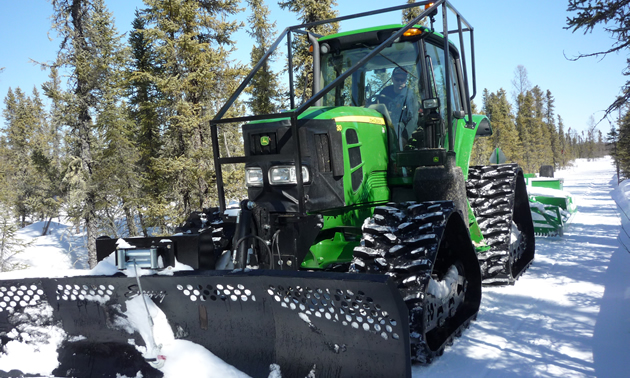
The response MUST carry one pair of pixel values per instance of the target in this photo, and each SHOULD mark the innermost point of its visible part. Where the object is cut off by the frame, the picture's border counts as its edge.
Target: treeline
(530, 133)
(126, 134)
(618, 140)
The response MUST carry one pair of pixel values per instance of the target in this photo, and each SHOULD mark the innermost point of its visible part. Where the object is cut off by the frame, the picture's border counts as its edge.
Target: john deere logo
(264, 141)
(436, 159)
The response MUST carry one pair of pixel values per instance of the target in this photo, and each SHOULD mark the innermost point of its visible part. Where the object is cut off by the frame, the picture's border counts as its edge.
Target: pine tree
(308, 11)
(192, 41)
(24, 133)
(91, 51)
(623, 144)
(563, 145)
(543, 145)
(10, 243)
(549, 120)
(612, 138)
(504, 133)
(265, 86)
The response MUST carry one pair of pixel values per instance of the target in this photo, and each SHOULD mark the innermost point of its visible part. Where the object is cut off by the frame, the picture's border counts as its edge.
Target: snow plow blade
(329, 324)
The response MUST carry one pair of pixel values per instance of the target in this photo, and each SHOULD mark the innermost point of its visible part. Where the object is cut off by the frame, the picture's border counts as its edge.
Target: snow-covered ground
(567, 316)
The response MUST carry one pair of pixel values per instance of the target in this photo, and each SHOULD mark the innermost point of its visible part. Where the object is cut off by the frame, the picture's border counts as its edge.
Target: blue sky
(508, 33)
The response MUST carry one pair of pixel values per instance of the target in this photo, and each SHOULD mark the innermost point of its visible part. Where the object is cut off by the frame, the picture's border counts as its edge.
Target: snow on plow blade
(332, 324)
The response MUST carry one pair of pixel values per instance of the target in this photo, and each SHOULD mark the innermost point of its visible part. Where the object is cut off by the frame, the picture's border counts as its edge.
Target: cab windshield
(365, 85)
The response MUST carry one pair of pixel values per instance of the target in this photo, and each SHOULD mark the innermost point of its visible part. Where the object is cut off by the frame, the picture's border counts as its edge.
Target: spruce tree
(612, 138)
(25, 125)
(90, 51)
(623, 144)
(483, 146)
(144, 108)
(529, 132)
(549, 121)
(543, 145)
(265, 89)
(192, 41)
(504, 133)
(563, 146)
(10, 243)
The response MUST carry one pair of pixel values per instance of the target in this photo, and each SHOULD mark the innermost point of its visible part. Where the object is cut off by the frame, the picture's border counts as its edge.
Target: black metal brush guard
(318, 94)
(340, 325)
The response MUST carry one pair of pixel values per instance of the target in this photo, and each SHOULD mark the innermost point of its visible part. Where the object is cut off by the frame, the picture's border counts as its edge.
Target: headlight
(253, 176)
(282, 175)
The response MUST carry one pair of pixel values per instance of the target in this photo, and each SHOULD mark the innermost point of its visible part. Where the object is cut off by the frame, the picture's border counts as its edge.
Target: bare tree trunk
(145, 232)
(90, 226)
(3, 245)
(46, 226)
(131, 222)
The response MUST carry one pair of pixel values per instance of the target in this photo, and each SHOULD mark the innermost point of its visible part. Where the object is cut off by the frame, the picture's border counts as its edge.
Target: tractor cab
(406, 81)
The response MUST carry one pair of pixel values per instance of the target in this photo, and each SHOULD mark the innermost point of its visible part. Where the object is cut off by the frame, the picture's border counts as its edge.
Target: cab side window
(439, 74)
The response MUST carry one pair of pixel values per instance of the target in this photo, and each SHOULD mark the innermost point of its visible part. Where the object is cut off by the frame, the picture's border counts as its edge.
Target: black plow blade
(331, 324)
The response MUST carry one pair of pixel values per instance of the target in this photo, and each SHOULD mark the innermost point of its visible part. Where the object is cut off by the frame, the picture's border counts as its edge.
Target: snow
(547, 192)
(567, 316)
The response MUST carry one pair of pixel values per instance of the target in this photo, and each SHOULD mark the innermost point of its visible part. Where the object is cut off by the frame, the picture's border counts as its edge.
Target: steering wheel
(378, 99)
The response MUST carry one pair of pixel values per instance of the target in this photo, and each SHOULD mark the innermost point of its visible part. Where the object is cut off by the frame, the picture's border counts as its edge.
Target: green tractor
(366, 236)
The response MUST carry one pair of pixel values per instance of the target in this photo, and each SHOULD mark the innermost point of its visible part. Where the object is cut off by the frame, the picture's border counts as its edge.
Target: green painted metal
(465, 139)
(360, 202)
(550, 183)
(552, 208)
(548, 220)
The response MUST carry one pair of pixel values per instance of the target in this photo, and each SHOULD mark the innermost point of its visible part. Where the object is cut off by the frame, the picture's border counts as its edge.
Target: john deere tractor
(365, 237)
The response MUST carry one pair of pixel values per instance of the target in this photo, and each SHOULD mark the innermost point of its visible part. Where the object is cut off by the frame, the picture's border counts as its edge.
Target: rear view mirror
(484, 129)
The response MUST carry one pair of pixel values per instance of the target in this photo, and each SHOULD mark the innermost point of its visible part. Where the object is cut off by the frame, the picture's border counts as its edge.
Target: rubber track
(491, 193)
(402, 240)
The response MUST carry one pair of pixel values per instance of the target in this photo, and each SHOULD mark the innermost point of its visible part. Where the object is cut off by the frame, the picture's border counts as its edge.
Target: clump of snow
(123, 244)
(181, 358)
(36, 338)
(442, 288)
(274, 371)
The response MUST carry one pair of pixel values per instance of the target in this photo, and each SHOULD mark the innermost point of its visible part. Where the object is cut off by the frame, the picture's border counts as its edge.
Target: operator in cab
(402, 105)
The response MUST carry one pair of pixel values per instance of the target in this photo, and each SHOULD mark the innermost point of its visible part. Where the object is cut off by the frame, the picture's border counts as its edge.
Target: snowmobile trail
(562, 317)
